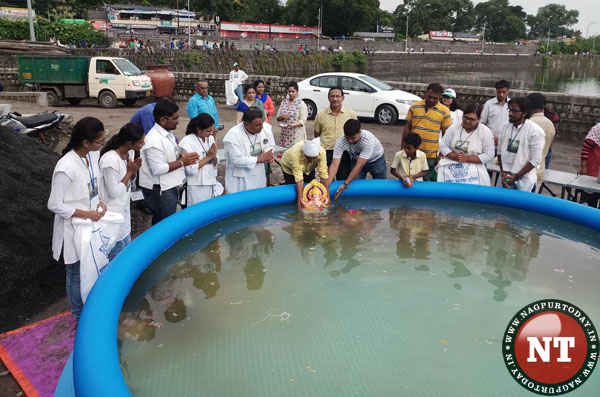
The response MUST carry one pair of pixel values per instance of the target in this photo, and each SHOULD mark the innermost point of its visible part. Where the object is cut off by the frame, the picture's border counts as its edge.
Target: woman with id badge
(75, 194)
(202, 181)
(466, 147)
(520, 147)
(118, 168)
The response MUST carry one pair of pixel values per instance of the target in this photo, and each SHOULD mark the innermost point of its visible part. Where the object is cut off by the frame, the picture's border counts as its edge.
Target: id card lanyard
(252, 144)
(511, 140)
(94, 200)
(204, 149)
(462, 143)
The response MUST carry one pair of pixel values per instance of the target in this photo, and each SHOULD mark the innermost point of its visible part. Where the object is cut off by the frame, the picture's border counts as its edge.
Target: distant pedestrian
(495, 111)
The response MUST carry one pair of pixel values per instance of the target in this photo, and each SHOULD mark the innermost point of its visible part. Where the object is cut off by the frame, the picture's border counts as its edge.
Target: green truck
(107, 79)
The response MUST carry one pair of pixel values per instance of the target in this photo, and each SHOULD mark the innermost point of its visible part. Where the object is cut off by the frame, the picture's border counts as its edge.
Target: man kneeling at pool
(366, 155)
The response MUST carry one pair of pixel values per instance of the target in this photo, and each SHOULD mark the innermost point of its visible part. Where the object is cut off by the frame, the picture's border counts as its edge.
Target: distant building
(14, 13)
(441, 35)
(467, 37)
(265, 31)
(131, 18)
(371, 36)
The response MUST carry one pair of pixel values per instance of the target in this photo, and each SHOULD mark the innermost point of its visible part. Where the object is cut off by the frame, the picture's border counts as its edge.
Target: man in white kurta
(248, 146)
(520, 147)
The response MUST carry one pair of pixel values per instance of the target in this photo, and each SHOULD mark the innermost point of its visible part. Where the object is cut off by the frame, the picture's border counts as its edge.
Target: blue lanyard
(511, 139)
(90, 171)
(462, 143)
(200, 140)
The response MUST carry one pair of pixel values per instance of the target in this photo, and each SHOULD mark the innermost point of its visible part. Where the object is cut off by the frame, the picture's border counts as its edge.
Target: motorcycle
(42, 126)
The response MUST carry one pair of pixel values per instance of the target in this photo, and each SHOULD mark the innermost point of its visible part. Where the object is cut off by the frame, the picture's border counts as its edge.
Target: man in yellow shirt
(429, 118)
(299, 162)
(329, 126)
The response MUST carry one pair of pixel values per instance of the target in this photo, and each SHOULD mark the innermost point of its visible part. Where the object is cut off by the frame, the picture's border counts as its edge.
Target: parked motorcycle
(42, 126)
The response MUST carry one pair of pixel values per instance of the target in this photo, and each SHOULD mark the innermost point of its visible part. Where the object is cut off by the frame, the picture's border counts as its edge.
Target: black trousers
(290, 180)
(345, 165)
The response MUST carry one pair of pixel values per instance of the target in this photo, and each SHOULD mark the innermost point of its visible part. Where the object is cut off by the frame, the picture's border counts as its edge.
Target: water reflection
(566, 79)
(446, 241)
(343, 234)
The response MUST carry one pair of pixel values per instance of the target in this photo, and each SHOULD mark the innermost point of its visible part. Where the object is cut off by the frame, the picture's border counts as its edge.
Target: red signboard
(264, 28)
(440, 33)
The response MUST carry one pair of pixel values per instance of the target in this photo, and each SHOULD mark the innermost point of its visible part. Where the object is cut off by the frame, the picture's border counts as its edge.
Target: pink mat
(36, 354)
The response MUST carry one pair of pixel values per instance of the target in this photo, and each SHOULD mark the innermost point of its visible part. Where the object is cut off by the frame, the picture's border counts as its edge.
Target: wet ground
(565, 157)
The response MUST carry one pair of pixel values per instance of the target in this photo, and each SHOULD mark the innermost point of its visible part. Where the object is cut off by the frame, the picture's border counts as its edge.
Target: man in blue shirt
(201, 102)
(145, 115)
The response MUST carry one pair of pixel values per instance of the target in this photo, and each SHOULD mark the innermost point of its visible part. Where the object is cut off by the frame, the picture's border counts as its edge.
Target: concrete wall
(291, 45)
(577, 113)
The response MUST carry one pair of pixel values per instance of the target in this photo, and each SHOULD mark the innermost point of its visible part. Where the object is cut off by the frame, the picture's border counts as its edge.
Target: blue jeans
(548, 157)
(377, 169)
(161, 203)
(119, 246)
(239, 92)
(73, 289)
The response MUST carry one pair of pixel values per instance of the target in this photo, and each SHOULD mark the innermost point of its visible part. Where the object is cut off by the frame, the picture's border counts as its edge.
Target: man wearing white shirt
(248, 146)
(162, 170)
(495, 111)
(520, 147)
(237, 78)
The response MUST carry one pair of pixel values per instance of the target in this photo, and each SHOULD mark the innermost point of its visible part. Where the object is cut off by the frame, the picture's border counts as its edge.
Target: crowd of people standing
(440, 142)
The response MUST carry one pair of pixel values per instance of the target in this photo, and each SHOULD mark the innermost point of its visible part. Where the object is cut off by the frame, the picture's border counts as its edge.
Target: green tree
(340, 17)
(500, 21)
(553, 17)
(426, 15)
(261, 11)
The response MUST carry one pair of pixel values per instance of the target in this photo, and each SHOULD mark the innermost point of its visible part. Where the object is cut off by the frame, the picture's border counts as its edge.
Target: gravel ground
(45, 294)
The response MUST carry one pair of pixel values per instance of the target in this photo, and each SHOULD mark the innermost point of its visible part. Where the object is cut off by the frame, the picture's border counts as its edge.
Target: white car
(366, 95)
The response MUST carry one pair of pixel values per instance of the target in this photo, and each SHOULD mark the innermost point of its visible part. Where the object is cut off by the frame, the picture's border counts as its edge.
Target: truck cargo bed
(53, 70)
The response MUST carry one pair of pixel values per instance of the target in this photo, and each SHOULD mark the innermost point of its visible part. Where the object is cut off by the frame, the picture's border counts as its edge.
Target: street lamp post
(189, 28)
(548, 42)
(406, 37)
(587, 31)
(483, 39)
(30, 17)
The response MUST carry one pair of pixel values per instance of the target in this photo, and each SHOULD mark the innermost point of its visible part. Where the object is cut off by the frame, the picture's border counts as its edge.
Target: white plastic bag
(93, 242)
(230, 93)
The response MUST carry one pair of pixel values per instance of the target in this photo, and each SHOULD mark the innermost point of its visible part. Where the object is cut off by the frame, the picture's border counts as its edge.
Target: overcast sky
(589, 10)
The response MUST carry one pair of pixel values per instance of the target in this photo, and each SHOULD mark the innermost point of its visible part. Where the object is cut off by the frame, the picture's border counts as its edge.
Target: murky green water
(379, 297)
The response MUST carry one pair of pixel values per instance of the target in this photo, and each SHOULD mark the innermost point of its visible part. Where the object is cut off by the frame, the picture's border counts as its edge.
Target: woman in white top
(202, 182)
(75, 194)
(118, 167)
(466, 148)
(448, 99)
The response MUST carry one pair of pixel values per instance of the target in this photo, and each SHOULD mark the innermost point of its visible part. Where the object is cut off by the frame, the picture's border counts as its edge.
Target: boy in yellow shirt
(410, 164)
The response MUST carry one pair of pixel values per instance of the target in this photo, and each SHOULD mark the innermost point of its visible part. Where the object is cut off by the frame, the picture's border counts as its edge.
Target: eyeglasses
(465, 118)
(515, 111)
(102, 142)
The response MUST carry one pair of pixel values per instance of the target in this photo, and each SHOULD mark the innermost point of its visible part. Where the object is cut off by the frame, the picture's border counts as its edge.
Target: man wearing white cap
(237, 78)
(300, 162)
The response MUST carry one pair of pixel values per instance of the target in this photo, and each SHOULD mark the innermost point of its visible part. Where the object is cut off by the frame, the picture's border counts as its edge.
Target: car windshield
(127, 68)
(379, 84)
